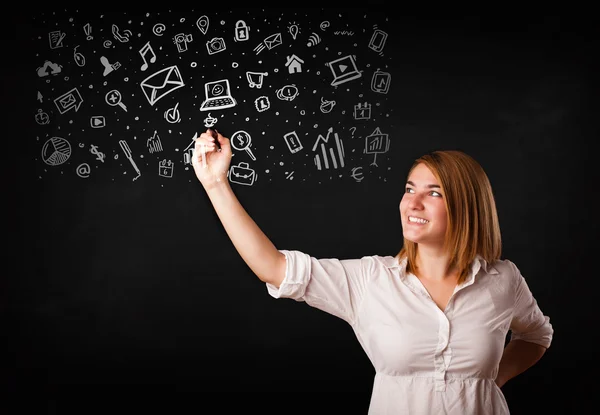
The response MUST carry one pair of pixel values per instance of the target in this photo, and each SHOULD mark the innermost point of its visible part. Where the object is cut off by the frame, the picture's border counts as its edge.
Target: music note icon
(143, 51)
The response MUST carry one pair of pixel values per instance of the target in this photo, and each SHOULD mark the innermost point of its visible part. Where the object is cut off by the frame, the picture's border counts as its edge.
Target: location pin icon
(202, 24)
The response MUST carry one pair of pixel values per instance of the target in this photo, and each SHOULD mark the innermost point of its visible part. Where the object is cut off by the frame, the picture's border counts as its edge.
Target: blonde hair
(473, 226)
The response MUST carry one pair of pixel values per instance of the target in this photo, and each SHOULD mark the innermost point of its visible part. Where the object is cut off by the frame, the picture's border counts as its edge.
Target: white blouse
(427, 361)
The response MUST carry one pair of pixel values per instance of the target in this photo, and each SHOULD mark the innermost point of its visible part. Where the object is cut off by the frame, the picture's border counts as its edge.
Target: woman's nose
(415, 202)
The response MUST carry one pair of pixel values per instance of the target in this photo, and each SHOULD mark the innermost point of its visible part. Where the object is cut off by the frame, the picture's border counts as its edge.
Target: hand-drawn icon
(255, 79)
(294, 31)
(97, 121)
(210, 121)
(215, 45)
(262, 103)
(172, 115)
(269, 42)
(108, 67)
(127, 152)
(217, 96)
(107, 44)
(241, 31)
(49, 68)
(181, 40)
(158, 29)
(41, 117)
(313, 39)
(69, 100)
(377, 41)
(188, 152)
(242, 174)
(344, 70)
(241, 140)
(293, 142)
(118, 36)
(362, 111)
(78, 57)
(113, 98)
(287, 93)
(290, 175)
(381, 82)
(357, 174)
(294, 64)
(376, 143)
(161, 83)
(325, 149)
(165, 168)
(326, 106)
(324, 25)
(56, 151)
(99, 155)
(40, 97)
(154, 144)
(87, 29)
(143, 51)
(83, 170)
(202, 24)
(55, 38)
(352, 129)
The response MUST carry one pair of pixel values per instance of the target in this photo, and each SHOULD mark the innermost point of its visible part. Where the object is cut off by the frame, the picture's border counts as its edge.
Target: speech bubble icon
(69, 100)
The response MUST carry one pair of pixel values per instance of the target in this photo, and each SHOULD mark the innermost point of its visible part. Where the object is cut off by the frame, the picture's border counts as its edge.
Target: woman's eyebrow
(430, 186)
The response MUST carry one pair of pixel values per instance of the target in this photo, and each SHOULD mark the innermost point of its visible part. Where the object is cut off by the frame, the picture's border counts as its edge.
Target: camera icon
(181, 41)
(215, 45)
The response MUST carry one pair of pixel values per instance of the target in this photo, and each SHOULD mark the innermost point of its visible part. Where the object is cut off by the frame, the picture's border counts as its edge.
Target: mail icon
(273, 40)
(161, 83)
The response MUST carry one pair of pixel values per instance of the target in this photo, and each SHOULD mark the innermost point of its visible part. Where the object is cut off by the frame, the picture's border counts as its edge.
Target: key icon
(113, 98)
(240, 140)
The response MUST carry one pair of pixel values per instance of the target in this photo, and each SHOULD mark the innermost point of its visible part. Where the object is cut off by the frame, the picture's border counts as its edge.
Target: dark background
(128, 296)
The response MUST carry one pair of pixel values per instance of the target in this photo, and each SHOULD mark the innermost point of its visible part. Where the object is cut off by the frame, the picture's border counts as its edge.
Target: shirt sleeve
(529, 323)
(331, 285)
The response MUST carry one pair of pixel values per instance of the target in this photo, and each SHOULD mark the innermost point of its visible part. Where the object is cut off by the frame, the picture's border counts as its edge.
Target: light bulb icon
(294, 31)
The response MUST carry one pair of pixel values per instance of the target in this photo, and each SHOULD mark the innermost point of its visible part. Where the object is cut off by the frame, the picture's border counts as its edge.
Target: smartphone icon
(293, 142)
(377, 41)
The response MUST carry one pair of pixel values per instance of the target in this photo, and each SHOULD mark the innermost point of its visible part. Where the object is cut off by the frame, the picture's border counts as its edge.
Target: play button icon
(97, 121)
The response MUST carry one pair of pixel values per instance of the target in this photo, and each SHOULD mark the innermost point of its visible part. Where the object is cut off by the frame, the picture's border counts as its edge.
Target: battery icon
(293, 142)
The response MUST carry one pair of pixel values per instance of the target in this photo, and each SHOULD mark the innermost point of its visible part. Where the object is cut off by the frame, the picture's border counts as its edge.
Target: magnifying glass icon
(113, 98)
(240, 140)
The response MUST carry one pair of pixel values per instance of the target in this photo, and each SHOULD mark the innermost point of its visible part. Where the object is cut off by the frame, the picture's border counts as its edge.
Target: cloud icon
(55, 68)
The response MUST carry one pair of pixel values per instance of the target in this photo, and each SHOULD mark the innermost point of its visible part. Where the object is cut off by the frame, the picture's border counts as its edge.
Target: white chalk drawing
(87, 29)
(241, 140)
(217, 96)
(377, 41)
(313, 39)
(241, 31)
(362, 111)
(56, 151)
(182, 40)
(165, 168)
(376, 143)
(161, 83)
(202, 24)
(242, 174)
(158, 29)
(215, 45)
(352, 130)
(107, 44)
(269, 42)
(357, 174)
(144, 51)
(41, 117)
(113, 98)
(49, 68)
(329, 153)
(294, 30)
(108, 67)
(154, 144)
(188, 152)
(127, 152)
(294, 64)
(99, 155)
(83, 170)
(255, 79)
(97, 121)
(56, 38)
(262, 103)
(210, 121)
(287, 93)
(172, 115)
(343, 69)
(381, 82)
(69, 100)
(343, 33)
(78, 57)
(289, 175)
(123, 38)
(324, 25)
(40, 97)
(326, 106)
(293, 142)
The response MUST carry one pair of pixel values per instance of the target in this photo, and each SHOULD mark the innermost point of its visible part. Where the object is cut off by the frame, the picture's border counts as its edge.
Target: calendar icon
(165, 168)
(362, 111)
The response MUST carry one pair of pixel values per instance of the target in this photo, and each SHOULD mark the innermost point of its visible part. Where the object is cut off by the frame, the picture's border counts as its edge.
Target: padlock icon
(241, 31)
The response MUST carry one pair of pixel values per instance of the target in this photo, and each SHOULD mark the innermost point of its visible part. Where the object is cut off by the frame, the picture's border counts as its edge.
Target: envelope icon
(273, 40)
(67, 101)
(161, 83)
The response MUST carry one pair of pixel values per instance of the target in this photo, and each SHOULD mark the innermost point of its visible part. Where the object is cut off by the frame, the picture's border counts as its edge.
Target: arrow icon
(39, 96)
(343, 67)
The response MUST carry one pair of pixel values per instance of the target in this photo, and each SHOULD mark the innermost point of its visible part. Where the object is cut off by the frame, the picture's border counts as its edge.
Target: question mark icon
(352, 129)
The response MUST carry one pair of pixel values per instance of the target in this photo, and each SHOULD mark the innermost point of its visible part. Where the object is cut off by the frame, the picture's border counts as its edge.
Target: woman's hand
(211, 164)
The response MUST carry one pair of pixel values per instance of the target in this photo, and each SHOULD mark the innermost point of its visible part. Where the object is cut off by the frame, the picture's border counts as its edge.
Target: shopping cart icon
(255, 79)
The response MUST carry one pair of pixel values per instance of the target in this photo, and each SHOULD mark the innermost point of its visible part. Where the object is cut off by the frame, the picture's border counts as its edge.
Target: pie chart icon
(56, 151)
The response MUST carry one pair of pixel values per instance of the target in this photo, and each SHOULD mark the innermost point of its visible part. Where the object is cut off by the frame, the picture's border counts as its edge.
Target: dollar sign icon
(98, 154)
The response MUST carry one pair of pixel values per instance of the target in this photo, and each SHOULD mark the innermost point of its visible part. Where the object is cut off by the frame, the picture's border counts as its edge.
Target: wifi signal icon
(313, 39)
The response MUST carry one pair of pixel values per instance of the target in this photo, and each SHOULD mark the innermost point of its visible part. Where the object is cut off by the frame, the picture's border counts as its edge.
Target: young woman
(433, 319)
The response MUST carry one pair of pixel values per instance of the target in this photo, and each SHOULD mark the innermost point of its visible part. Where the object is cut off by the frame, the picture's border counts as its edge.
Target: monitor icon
(217, 95)
(344, 70)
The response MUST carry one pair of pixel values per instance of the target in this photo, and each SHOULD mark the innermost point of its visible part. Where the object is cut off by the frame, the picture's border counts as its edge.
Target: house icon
(294, 64)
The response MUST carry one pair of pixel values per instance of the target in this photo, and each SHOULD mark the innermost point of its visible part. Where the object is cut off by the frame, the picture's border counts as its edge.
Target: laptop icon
(344, 70)
(217, 96)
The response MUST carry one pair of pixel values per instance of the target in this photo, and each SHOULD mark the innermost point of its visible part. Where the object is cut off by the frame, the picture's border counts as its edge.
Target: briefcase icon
(242, 174)
(161, 83)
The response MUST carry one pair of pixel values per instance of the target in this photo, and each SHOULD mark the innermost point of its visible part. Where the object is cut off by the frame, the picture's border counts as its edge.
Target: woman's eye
(437, 194)
(408, 190)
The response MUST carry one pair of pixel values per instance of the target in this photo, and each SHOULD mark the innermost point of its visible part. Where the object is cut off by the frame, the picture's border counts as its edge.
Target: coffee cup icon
(326, 106)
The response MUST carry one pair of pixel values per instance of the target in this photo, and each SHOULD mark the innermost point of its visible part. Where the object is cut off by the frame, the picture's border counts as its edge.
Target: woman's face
(422, 208)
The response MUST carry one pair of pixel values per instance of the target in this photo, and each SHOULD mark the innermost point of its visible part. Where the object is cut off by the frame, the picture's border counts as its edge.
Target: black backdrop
(126, 294)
